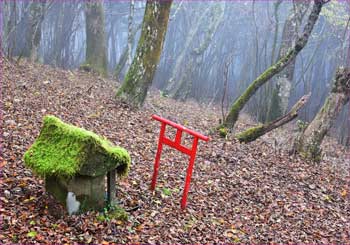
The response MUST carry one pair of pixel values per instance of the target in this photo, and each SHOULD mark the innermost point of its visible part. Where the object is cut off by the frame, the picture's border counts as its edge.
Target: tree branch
(252, 134)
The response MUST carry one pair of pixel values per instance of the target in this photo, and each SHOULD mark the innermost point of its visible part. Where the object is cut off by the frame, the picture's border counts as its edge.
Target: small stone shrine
(74, 163)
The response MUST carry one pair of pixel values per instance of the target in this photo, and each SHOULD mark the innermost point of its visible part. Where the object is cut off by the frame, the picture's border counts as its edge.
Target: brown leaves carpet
(239, 193)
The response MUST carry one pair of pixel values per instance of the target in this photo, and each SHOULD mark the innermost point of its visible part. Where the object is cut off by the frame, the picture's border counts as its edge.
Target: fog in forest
(212, 50)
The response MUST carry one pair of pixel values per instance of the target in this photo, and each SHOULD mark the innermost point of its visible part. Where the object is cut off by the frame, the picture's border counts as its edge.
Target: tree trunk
(285, 78)
(252, 134)
(141, 72)
(238, 105)
(309, 143)
(130, 37)
(126, 52)
(9, 42)
(276, 7)
(33, 32)
(96, 51)
(182, 88)
(177, 70)
(62, 31)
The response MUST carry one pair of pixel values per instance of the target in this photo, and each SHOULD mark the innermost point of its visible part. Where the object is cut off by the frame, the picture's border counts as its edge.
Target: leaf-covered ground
(254, 193)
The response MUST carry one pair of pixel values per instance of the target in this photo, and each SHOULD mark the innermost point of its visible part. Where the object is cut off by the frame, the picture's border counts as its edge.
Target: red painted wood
(189, 173)
(182, 128)
(159, 153)
(181, 148)
(177, 145)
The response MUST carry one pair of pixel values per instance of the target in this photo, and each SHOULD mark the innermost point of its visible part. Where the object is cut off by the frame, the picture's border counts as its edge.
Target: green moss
(101, 218)
(250, 134)
(115, 212)
(141, 72)
(63, 150)
(223, 132)
(311, 150)
(301, 125)
(239, 103)
(118, 213)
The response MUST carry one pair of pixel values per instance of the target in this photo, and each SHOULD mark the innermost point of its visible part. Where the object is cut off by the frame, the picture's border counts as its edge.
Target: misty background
(206, 43)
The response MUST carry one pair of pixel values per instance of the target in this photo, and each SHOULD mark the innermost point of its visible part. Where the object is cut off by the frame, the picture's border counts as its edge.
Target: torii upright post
(177, 145)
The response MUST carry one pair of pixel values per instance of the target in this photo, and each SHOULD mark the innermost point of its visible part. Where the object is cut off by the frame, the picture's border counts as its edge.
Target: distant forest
(211, 53)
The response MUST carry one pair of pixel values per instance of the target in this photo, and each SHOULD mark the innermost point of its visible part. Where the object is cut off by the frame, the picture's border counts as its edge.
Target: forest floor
(240, 193)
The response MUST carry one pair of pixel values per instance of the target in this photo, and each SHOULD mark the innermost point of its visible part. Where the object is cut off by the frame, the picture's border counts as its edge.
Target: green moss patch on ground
(115, 212)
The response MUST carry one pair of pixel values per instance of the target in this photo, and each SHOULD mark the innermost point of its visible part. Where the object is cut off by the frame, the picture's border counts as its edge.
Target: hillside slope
(239, 193)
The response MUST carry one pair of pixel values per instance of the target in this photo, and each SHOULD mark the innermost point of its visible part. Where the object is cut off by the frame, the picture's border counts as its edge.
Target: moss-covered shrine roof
(65, 150)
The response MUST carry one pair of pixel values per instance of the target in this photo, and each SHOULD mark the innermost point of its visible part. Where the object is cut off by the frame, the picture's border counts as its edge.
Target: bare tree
(183, 86)
(227, 64)
(201, 14)
(36, 16)
(285, 78)
(300, 43)
(126, 52)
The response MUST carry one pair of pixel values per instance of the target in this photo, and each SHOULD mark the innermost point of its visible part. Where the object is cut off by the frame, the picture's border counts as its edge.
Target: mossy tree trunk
(270, 92)
(309, 142)
(284, 79)
(300, 43)
(141, 72)
(96, 51)
(252, 134)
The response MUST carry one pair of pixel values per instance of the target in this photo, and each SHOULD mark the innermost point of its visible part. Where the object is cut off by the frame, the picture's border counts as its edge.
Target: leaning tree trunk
(285, 78)
(201, 14)
(300, 43)
(183, 86)
(309, 142)
(252, 134)
(141, 72)
(96, 51)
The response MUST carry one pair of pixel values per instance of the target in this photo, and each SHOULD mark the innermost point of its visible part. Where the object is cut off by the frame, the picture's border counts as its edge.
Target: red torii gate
(177, 145)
